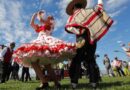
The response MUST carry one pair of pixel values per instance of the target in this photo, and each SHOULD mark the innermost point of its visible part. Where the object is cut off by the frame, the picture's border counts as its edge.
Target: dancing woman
(45, 50)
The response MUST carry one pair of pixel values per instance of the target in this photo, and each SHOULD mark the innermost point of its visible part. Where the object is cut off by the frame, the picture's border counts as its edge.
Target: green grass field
(108, 83)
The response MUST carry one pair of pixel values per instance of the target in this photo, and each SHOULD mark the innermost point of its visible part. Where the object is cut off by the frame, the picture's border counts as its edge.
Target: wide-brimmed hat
(70, 7)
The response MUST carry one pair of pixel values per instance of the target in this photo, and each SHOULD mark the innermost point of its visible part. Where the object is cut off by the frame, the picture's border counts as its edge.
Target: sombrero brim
(69, 9)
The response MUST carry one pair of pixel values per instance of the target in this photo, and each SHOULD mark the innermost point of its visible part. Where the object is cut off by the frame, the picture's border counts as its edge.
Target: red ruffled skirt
(44, 50)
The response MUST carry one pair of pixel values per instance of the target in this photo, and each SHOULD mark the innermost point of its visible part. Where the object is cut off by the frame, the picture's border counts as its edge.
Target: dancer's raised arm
(34, 26)
(40, 17)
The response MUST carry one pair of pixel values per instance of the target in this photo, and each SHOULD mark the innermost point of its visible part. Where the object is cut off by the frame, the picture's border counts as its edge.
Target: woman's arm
(34, 26)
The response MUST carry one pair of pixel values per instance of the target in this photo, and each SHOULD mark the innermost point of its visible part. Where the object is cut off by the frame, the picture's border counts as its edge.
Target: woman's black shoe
(44, 85)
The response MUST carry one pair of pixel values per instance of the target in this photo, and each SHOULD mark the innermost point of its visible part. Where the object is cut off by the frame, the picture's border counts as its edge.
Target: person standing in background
(15, 71)
(125, 68)
(25, 71)
(106, 62)
(1, 62)
(119, 67)
(6, 56)
(61, 66)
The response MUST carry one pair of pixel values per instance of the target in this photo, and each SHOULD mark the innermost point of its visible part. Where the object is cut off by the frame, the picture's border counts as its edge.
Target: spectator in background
(129, 65)
(1, 70)
(10, 69)
(125, 68)
(6, 56)
(98, 70)
(114, 68)
(106, 62)
(15, 71)
(10, 66)
(1, 63)
(25, 71)
(61, 67)
(119, 67)
(2, 47)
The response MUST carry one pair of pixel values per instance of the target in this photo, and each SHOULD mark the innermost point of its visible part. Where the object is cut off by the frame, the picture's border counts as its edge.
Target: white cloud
(112, 30)
(10, 37)
(115, 22)
(3, 12)
(12, 25)
(44, 2)
(115, 7)
(90, 3)
(62, 19)
(114, 4)
(116, 13)
(119, 42)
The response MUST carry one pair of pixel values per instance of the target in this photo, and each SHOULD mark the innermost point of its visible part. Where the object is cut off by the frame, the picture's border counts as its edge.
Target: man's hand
(80, 44)
(100, 1)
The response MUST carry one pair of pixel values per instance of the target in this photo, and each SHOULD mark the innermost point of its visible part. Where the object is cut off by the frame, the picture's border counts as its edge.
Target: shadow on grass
(127, 83)
(84, 86)
(30, 81)
(81, 86)
(110, 84)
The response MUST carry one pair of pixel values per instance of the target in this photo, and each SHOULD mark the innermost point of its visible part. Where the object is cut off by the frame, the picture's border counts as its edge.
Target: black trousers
(6, 71)
(25, 70)
(86, 54)
(15, 71)
(120, 71)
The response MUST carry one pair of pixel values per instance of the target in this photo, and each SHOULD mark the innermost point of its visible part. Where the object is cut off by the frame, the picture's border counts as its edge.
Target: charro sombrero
(69, 9)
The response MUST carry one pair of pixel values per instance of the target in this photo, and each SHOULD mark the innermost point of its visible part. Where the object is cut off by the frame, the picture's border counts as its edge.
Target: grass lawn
(108, 83)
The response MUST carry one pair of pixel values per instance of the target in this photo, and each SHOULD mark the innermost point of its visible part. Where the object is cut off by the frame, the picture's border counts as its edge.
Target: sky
(15, 26)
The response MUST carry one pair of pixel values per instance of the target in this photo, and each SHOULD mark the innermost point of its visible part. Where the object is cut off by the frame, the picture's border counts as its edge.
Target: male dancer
(89, 25)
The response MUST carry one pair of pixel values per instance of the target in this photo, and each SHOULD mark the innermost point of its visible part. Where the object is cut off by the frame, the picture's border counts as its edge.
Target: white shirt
(129, 63)
(3, 52)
